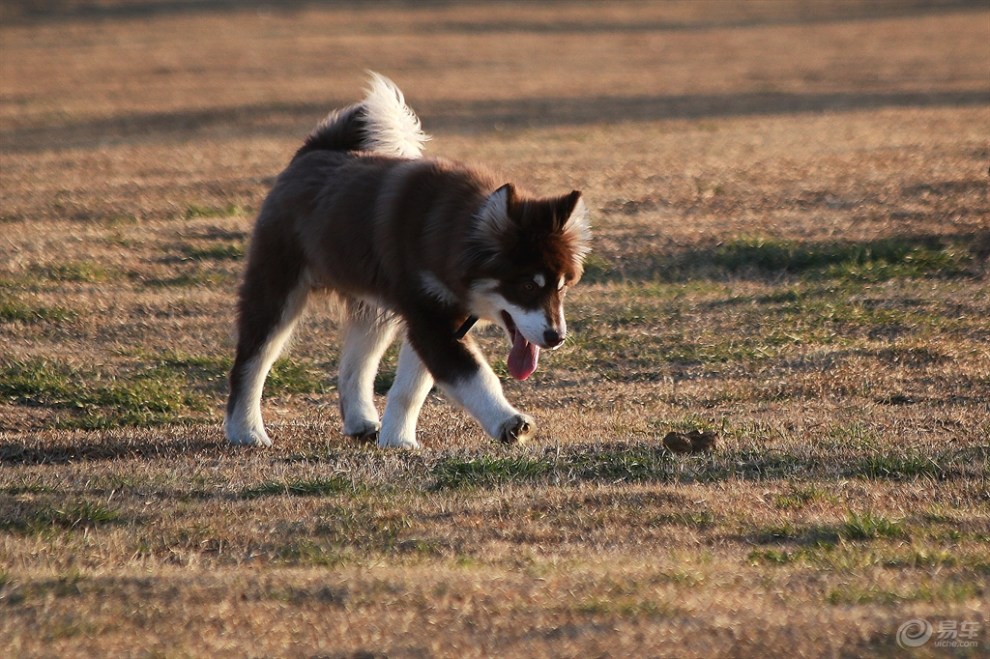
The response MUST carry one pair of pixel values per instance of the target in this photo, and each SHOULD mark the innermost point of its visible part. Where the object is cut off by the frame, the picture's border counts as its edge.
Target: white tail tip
(392, 127)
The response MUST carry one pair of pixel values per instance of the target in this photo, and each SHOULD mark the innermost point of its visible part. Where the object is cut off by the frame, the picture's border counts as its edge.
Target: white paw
(247, 436)
(407, 443)
(362, 430)
(517, 429)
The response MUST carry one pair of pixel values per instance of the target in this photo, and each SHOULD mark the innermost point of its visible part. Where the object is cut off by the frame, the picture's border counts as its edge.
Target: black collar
(465, 327)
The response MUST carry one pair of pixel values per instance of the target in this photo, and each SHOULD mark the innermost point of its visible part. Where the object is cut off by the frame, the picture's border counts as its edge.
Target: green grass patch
(800, 496)
(870, 526)
(650, 461)
(297, 377)
(34, 519)
(597, 269)
(625, 607)
(771, 557)
(197, 211)
(921, 557)
(13, 310)
(605, 463)
(168, 388)
(27, 487)
(488, 470)
(781, 533)
(369, 525)
(384, 380)
(823, 553)
(87, 272)
(947, 591)
(697, 519)
(684, 351)
(319, 487)
(855, 594)
(197, 279)
(203, 373)
(307, 552)
(855, 556)
(144, 399)
(636, 462)
(871, 261)
(199, 366)
(838, 547)
(652, 331)
(885, 465)
(810, 538)
(38, 382)
(215, 252)
(141, 398)
(141, 401)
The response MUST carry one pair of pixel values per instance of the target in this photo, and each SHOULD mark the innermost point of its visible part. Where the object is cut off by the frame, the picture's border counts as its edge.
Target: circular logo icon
(914, 633)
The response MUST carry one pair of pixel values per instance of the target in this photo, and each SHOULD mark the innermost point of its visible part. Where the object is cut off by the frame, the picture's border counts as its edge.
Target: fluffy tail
(382, 123)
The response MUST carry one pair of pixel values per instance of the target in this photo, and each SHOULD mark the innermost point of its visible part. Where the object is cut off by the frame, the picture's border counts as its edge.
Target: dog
(421, 246)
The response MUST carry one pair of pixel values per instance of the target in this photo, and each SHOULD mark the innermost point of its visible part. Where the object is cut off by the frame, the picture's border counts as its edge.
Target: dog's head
(530, 251)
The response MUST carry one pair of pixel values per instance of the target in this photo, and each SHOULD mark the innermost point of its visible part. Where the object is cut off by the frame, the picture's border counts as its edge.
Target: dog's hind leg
(271, 299)
(405, 399)
(368, 332)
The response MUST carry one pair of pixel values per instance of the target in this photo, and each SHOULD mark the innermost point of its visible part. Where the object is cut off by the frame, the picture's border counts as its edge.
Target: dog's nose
(552, 338)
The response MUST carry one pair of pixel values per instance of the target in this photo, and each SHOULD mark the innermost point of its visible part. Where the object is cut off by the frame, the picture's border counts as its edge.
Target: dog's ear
(508, 195)
(495, 217)
(565, 207)
(494, 225)
(575, 228)
(570, 212)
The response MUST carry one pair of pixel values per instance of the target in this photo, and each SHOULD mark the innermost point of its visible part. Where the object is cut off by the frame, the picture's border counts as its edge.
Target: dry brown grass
(790, 202)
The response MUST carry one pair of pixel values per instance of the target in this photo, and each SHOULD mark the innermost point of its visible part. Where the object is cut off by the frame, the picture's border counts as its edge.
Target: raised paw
(518, 429)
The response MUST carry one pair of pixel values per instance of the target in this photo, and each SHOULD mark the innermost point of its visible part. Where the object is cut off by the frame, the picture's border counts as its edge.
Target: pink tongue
(522, 357)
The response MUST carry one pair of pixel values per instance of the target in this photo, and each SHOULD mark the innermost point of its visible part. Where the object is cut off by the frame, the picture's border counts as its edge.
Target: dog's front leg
(480, 393)
(405, 399)
(462, 372)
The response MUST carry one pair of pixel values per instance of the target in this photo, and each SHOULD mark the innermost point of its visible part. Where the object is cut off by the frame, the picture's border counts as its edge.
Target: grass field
(790, 203)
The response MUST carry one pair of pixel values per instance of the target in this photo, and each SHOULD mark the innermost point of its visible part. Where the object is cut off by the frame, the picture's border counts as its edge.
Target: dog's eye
(529, 286)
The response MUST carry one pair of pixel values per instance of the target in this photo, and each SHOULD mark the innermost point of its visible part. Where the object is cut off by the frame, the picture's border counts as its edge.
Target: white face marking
(560, 284)
(540, 280)
(487, 304)
(532, 323)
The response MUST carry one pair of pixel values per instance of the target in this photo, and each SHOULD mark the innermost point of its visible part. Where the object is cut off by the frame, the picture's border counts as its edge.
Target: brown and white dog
(426, 246)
